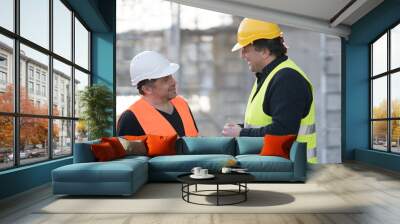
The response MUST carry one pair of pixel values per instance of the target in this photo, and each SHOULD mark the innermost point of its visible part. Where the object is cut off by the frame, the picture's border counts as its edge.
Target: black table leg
(186, 192)
(182, 190)
(245, 193)
(217, 194)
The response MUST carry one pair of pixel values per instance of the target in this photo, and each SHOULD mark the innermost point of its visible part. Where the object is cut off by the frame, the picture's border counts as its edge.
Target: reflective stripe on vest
(307, 129)
(154, 123)
(255, 116)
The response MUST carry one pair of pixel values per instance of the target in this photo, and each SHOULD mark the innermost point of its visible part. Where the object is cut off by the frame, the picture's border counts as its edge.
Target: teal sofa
(125, 176)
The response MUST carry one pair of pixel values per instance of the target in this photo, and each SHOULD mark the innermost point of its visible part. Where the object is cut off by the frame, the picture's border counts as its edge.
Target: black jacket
(287, 100)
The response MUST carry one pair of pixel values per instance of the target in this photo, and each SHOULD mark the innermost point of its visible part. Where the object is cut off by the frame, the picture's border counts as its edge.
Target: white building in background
(5, 66)
(35, 79)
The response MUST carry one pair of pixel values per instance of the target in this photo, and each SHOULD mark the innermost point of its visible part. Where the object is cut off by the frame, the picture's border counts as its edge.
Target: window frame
(16, 114)
(388, 74)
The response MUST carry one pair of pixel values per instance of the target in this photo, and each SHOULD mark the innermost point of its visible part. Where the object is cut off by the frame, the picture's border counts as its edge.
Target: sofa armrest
(298, 155)
(83, 152)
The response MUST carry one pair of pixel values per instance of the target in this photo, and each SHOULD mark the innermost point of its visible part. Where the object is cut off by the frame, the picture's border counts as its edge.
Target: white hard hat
(150, 65)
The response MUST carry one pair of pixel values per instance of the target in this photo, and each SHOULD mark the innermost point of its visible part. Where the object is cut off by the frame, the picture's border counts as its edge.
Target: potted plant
(96, 103)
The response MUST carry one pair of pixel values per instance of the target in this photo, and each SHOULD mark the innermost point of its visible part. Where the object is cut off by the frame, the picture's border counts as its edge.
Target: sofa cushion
(249, 145)
(134, 137)
(185, 163)
(97, 172)
(129, 159)
(277, 145)
(116, 145)
(207, 145)
(257, 163)
(134, 147)
(103, 151)
(161, 145)
(118, 177)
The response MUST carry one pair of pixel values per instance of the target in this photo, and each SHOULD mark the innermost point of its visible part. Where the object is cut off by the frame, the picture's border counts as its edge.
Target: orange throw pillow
(103, 152)
(134, 138)
(116, 145)
(277, 145)
(161, 145)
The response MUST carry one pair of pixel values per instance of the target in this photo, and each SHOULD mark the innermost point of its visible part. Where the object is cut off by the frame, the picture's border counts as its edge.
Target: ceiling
(333, 17)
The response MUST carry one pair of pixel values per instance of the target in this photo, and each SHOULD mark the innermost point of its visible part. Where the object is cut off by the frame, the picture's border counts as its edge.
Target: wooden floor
(377, 188)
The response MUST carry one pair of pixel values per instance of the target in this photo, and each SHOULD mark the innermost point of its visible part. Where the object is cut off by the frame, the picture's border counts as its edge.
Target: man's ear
(266, 53)
(147, 89)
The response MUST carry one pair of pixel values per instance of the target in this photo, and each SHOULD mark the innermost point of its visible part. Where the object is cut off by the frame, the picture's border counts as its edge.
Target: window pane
(379, 55)
(395, 94)
(395, 136)
(7, 14)
(34, 97)
(81, 45)
(395, 47)
(62, 89)
(62, 138)
(81, 81)
(6, 142)
(62, 29)
(379, 135)
(35, 21)
(33, 139)
(6, 74)
(379, 97)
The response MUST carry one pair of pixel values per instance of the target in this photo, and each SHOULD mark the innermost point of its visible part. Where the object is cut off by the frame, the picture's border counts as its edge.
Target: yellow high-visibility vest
(255, 116)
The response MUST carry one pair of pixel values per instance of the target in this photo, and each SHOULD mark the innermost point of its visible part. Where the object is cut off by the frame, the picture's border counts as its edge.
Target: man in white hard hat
(159, 111)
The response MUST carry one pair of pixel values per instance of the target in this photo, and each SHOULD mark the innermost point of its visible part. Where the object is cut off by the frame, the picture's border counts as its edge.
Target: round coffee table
(238, 179)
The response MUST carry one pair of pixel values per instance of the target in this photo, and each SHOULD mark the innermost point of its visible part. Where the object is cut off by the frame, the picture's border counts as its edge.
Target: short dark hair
(143, 83)
(275, 46)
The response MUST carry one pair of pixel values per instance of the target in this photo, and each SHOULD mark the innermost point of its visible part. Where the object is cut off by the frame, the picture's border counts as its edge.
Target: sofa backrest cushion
(83, 153)
(206, 145)
(249, 145)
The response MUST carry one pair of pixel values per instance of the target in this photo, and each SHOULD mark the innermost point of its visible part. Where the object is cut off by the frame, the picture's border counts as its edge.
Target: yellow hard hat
(251, 30)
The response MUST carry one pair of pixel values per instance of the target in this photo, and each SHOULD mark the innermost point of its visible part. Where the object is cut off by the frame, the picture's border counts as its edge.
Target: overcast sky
(148, 15)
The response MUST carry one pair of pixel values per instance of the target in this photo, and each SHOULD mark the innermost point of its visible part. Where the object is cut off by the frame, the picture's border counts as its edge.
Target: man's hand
(231, 130)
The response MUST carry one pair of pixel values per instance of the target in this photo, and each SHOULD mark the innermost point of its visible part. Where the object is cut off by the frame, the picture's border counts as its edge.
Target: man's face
(255, 59)
(164, 88)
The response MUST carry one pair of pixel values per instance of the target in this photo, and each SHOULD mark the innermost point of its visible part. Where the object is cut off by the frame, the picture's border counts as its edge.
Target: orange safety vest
(154, 123)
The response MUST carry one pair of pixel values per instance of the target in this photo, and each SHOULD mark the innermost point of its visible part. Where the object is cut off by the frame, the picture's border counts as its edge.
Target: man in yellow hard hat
(281, 101)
